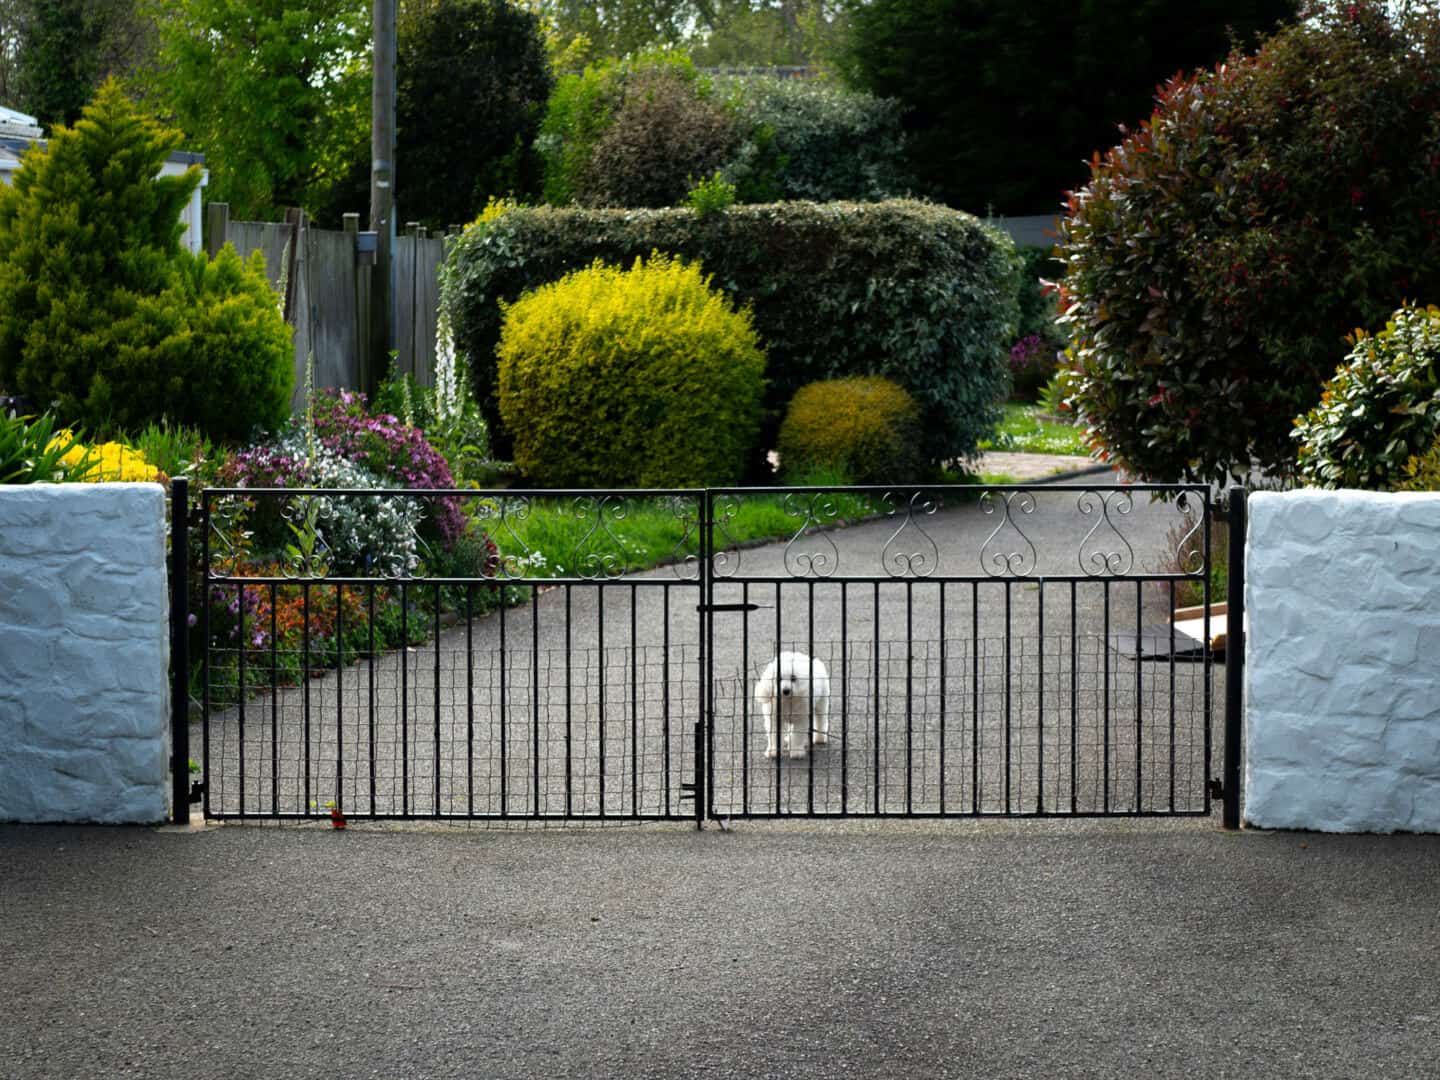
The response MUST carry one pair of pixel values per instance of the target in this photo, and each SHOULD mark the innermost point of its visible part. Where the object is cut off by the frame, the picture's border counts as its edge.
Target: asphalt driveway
(955, 949)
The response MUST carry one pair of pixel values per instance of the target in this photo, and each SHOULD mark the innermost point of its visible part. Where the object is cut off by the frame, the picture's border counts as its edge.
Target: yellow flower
(111, 461)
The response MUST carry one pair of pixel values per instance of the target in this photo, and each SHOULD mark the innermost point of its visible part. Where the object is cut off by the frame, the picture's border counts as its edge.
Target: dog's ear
(765, 687)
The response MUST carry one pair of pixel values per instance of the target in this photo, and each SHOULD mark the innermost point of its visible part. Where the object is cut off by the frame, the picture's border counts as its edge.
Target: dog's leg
(796, 728)
(821, 731)
(771, 745)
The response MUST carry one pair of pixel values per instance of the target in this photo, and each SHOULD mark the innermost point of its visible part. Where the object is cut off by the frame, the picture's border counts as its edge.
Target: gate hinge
(197, 791)
(1217, 789)
(728, 607)
(687, 790)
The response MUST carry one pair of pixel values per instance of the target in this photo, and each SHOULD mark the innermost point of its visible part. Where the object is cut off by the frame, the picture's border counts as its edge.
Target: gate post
(1234, 655)
(179, 651)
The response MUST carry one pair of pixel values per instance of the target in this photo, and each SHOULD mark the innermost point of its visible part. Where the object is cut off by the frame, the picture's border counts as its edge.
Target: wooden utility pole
(382, 188)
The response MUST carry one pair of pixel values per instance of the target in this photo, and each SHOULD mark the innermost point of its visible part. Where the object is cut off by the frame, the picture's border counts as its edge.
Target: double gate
(967, 651)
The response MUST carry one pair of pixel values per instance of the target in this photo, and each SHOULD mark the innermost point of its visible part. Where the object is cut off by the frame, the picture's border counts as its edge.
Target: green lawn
(1023, 431)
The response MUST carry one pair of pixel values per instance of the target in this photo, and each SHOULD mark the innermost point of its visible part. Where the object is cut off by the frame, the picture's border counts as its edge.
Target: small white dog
(791, 686)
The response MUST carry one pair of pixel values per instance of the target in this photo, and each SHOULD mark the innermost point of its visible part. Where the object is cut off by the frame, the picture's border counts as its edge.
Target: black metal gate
(947, 651)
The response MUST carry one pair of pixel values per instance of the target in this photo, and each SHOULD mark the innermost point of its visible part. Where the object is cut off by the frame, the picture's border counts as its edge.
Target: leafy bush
(356, 532)
(664, 131)
(865, 427)
(34, 451)
(710, 196)
(1219, 255)
(1381, 408)
(919, 293)
(103, 314)
(391, 450)
(646, 377)
(833, 143)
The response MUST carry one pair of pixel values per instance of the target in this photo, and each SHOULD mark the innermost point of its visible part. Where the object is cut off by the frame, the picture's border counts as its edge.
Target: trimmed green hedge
(917, 292)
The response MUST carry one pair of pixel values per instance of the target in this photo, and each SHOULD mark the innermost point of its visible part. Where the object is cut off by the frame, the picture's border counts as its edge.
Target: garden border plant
(920, 293)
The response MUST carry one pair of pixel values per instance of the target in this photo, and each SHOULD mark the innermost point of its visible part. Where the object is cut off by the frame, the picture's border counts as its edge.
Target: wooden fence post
(364, 264)
(217, 227)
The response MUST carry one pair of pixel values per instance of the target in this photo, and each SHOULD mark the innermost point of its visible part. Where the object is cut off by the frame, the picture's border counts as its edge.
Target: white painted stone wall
(84, 653)
(1342, 671)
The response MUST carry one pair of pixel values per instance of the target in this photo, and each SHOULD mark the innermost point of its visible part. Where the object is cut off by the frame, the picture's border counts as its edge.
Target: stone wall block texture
(84, 686)
(1342, 661)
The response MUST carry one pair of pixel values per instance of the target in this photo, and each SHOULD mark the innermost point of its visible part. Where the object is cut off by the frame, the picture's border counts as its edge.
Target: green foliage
(102, 312)
(178, 451)
(276, 93)
(1422, 472)
(1381, 408)
(1039, 309)
(453, 425)
(472, 85)
(1005, 99)
(833, 143)
(32, 451)
(710, 196)
(919, 293)
(643, 378)
(865, 427)
(1220, 254)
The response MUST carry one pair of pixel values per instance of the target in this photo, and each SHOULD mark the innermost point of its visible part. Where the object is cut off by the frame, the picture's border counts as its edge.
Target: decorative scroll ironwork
(306, 553)
(1104, 558)
(610, 559)
(811, 552)
(900, 556)
(725, 562)
(1190, 548)
(684, 561)
(996, 560)
(501, 516)
(229, 538)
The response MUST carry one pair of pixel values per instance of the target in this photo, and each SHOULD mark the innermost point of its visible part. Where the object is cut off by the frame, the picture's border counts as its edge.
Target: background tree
(717, 33)
(14, 22)
(276, 93)
(1220, 255)
(1008, 99)
(103, 316)
(472, 85)
(54, 54)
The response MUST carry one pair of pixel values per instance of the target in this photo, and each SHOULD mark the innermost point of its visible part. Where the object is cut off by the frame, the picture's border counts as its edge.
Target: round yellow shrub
(646, 377)
(865, 427)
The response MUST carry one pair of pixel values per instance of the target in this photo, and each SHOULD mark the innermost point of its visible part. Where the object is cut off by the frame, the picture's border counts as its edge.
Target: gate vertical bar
(1234, 655)
(705, 726)
(179, 650)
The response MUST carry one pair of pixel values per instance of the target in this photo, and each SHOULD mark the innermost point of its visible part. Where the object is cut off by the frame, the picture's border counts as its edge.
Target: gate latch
(728, 607)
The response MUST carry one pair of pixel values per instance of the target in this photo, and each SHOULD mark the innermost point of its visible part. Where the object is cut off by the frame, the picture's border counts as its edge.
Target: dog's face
(794, 679)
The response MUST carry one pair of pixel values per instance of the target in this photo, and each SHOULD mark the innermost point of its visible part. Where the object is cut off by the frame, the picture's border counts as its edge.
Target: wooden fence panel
(330, 284)
(417, 298)
(328, 289)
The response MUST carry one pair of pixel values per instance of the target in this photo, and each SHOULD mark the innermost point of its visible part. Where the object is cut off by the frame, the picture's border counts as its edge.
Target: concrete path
(956, 949)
